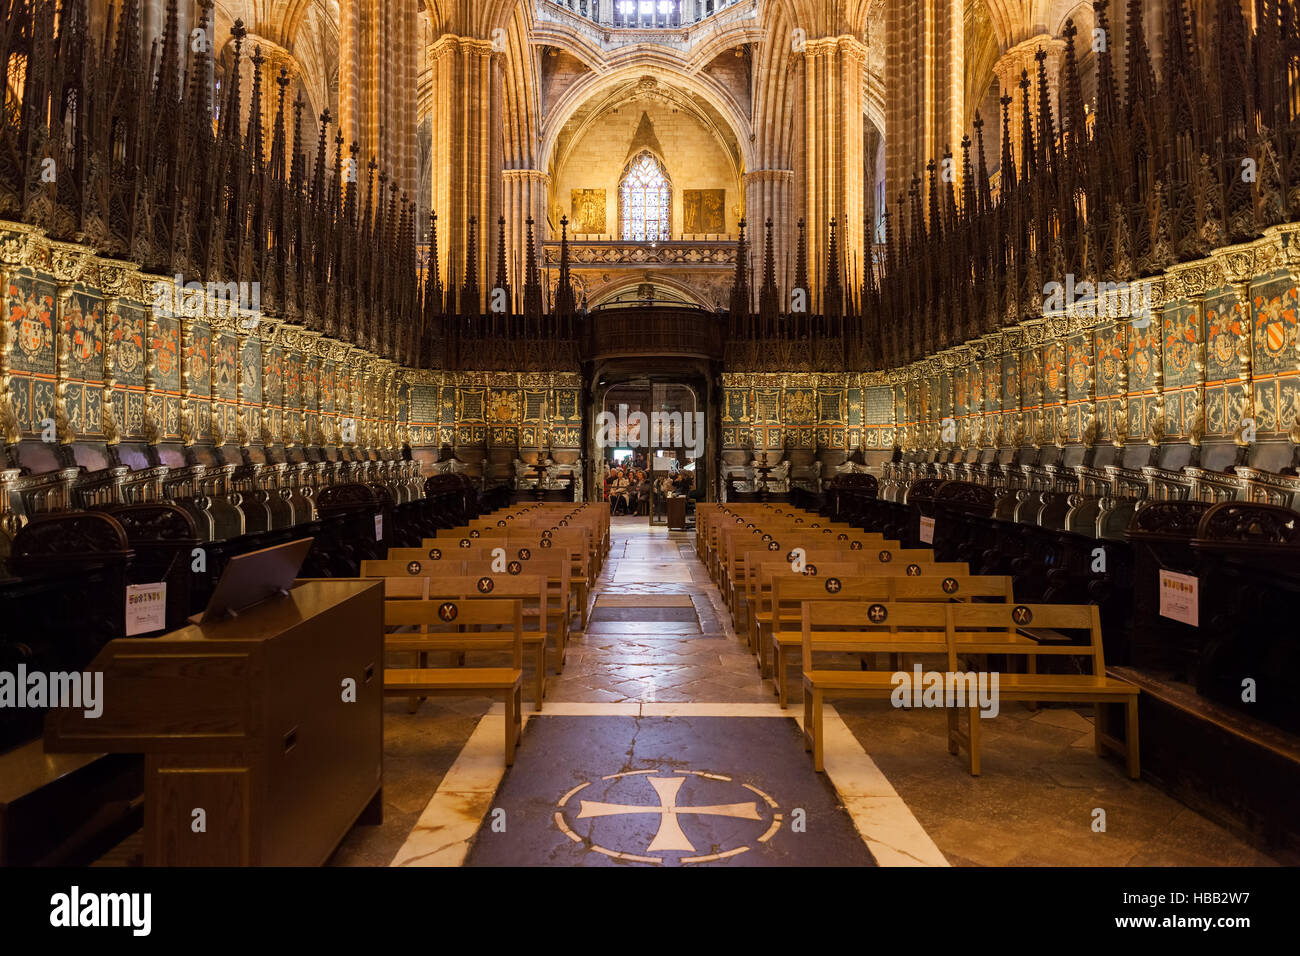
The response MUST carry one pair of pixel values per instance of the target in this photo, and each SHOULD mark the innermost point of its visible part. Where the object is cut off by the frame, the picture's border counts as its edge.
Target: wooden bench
(556, 563)
(576, 543)
(759, 568)
(997, 629)
(743, 556)
(951, 630)
(878, 563)
(531, 589)
(554, 570)
(479, 624)
(788, 596)
(786, 635)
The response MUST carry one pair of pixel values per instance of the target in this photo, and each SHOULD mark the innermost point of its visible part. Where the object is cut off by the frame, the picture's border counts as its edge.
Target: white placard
(927, 530)
(146, 608)
(1180, 597)
(379, 527)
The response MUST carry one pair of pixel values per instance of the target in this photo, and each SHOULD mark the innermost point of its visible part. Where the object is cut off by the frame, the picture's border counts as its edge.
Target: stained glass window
(645, 194)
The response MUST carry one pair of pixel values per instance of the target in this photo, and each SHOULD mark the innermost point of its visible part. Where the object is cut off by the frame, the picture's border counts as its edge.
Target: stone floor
(1037, 802)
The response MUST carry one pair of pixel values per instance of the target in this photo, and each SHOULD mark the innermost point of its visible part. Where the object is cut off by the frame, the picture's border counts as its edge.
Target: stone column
(925, 98)
(466, 97)
(524, 194)
(769, 195)
(833, 161)
(378, 79)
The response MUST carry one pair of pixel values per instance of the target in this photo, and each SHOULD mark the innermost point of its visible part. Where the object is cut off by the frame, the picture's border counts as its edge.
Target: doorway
(651, 440)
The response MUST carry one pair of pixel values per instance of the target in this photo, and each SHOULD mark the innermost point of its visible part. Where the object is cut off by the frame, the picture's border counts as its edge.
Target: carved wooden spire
(1108, 114)
(434, 284)
(1140, 85)
(769, 298)
(279, 160)
(318, 173)
(740, 285)
(1008, 165)
(254, 134)
(502, 281)
(833, 300)
(564, 304)
(985, 188)
(532, 280)
(1046, 123)
(1074, 129)
(470, 303)
(1028, 157)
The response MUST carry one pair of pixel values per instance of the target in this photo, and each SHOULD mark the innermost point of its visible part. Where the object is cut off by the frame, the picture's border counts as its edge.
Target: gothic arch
(593, 86)
(618, 286)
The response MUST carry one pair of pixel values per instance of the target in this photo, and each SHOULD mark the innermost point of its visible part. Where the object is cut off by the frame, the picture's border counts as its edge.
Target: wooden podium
(246, 720)
(677, 513)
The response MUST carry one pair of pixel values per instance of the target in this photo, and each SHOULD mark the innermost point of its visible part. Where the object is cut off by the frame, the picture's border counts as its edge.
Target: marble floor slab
(666, 791)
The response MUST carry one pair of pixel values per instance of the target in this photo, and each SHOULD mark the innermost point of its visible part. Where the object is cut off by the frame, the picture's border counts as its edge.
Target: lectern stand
(263, 734)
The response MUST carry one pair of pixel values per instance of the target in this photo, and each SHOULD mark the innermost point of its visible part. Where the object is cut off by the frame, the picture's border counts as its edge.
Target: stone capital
(449, 43)
(769, 175)
(847, 44)
(526, 175)
(272, 52)
(1021, 58)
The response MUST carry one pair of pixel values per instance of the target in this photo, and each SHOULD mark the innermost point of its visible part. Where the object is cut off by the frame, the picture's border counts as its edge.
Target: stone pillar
(925, 98)
(833, 161)
(524, 193)
(466, 98)
(769, 194)
(378, 77)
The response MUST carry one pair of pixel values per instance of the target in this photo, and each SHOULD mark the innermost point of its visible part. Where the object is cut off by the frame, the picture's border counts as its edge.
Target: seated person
(643, 491)
(618, 494)
(630, 492)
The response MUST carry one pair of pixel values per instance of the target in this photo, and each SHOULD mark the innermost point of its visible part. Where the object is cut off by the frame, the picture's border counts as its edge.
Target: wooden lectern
(677, 513)
(248, 719)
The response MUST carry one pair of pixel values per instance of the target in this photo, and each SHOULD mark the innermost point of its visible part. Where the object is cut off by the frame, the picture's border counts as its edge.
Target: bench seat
(462, 682)
(405, 680)
(534, 641)
(967, 630)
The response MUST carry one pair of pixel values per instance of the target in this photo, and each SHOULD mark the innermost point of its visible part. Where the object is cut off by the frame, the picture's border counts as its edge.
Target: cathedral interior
(994, 295)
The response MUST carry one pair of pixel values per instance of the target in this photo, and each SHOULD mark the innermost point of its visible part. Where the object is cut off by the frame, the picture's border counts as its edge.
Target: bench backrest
(736, 547)
(555, 571)
(788, 594)
(491, 623)
(516, 546)
(954, 587)
(404, 588)
(873, 627)
(997, 629)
